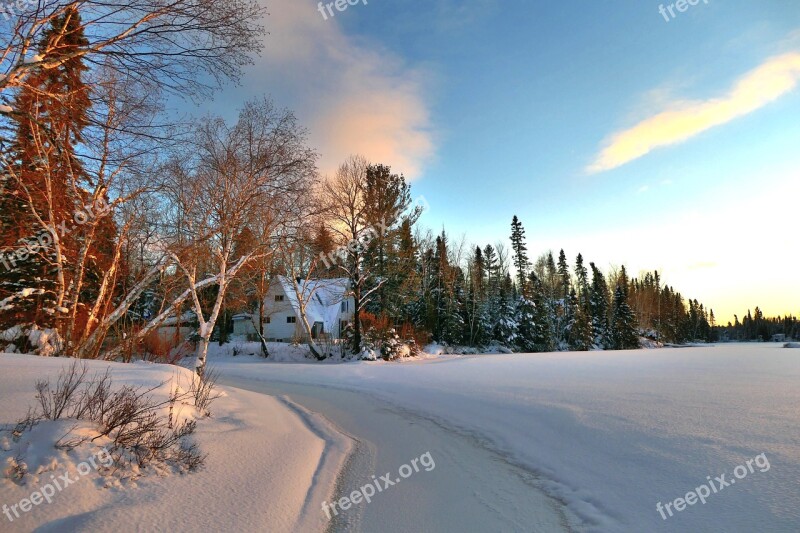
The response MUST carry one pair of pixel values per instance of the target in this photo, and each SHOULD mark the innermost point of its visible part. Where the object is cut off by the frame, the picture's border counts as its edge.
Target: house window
(279, 297)
(291, 319)
(267, 320)
(345, 306)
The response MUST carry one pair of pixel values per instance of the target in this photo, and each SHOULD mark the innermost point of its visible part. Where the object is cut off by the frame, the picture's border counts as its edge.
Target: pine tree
(478, 273)
(624, 330)
(386, 197)
(492, 267)
(543, 339)
(565, 309)
(598, 305)
(525, 334)
(45, 176)
(565, 281)
(503, 321)
(580, 330)
(582, 280)
(521, 261)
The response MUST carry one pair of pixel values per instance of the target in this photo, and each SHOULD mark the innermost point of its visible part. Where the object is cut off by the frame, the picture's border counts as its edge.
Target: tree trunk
(201, 353)
(356, 319)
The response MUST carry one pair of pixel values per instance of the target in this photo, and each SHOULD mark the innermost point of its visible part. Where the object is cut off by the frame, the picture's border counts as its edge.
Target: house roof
(322, 296)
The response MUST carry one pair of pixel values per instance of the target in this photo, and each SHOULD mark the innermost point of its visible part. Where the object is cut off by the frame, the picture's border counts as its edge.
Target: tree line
(754, 326)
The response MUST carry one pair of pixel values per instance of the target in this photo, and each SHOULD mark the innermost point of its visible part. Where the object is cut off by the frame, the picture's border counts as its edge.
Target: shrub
(129, 416)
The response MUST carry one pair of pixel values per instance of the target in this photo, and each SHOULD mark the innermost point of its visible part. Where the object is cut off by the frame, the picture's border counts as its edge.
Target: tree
(521, 261)
(157, 44)
(250, 175)
(492, 268)
(345, 198)
(95, 140)
(623, 325)
(598, 305)
(44, 178)
(580, 329)
(582, 283)
(564, 309)
(526, 334)
(387, 199)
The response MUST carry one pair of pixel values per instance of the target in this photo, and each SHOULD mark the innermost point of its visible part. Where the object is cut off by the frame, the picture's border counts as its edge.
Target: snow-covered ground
(609, 434)
(525, 442)
(267, 462)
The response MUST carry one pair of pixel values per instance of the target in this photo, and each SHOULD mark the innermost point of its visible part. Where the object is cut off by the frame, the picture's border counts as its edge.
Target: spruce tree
(582, 280)
(598, 305)
(387, 197)
(504, 320)
(521, 261)
(565, 309)
(624, 330)
(543, 339)
(45, 176)
(525, 334)
(580, 331)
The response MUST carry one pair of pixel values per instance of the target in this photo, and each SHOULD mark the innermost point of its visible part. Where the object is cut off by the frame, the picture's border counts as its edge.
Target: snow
(323, 298)
(268, 462)
(586, 441)
(609, 434)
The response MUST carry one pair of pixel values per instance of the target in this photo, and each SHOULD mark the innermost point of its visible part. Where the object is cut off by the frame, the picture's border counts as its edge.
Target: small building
(328, 304)
(779, 337)
(178, 329)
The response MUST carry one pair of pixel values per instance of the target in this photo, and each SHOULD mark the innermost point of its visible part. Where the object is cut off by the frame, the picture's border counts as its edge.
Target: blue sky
(606, 129)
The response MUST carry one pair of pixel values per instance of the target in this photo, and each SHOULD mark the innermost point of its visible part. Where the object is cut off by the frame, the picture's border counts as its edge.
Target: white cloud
(681, 120)
(354, 97)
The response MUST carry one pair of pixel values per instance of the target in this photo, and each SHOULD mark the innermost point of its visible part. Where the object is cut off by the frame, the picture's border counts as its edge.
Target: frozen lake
(606, 435)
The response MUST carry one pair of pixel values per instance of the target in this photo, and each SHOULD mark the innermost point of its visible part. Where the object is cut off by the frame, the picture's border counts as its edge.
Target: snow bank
(266, 464)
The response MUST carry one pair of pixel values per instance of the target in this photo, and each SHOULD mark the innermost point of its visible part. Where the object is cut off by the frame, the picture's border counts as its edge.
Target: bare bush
(129, 416)
(53, 402)
(203, 390)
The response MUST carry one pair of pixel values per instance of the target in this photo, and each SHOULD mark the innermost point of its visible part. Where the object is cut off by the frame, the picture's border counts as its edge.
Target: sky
(610, 128)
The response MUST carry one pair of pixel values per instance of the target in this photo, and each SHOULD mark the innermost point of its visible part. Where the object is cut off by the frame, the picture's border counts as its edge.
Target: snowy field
(608, 434)
(527, 442)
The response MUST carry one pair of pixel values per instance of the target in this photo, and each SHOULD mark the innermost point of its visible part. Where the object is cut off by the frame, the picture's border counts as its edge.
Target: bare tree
(348, 211)
(186, 46)
(251, 176)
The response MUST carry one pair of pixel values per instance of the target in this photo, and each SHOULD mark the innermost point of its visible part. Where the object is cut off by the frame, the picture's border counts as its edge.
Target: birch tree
(250, 175)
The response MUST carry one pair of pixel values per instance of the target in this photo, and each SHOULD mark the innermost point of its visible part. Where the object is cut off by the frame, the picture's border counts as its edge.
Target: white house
(328, 304)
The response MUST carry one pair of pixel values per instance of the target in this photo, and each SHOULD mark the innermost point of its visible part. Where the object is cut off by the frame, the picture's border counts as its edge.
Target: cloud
(354, 96)
(682, 120)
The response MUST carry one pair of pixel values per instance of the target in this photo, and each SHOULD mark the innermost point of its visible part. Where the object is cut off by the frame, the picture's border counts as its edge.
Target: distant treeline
(756, 327)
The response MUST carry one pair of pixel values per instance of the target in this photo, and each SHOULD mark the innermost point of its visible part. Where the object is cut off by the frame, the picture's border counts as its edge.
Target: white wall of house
(282, 322)
(278, 313)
